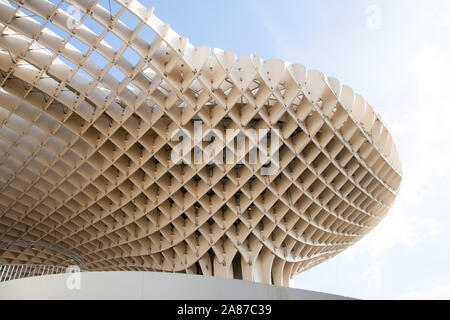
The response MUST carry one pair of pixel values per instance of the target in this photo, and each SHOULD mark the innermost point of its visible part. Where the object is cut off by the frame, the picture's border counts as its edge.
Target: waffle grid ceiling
(85, 150)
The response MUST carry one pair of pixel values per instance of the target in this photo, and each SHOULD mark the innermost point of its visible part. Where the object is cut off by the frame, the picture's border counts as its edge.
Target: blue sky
(401, 65)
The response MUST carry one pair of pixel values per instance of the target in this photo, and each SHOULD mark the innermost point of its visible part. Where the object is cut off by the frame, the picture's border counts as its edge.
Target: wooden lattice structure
(85, 150)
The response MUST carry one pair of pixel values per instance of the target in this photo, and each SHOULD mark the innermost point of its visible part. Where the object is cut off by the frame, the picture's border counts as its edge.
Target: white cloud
(440, 292)
(446, 22)
(373, 275)
(398, 228)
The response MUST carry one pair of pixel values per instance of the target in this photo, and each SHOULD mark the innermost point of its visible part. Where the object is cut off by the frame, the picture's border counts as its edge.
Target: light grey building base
(148, 286)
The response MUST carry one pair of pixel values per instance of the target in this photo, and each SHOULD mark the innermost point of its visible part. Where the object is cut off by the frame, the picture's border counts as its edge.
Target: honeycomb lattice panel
(86, 115)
